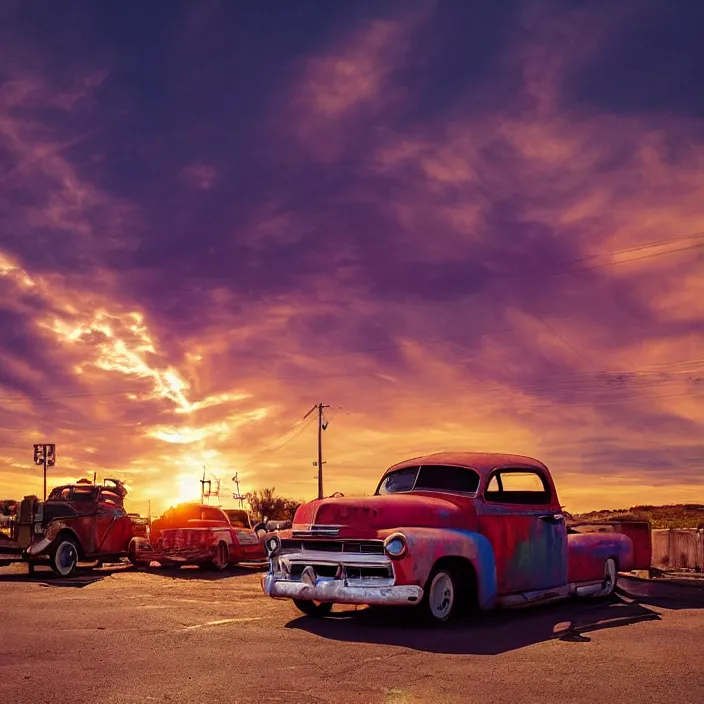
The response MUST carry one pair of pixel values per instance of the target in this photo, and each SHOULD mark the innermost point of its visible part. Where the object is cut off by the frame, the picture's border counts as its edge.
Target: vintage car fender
(50, 534)
(140, 544)
(428, 545)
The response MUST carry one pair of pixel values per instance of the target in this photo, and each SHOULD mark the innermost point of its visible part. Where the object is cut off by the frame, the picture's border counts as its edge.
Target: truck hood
(382, 512)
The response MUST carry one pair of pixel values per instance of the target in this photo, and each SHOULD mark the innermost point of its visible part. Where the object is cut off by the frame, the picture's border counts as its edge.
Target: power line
(293, 433)
(645, 246)
(644, 377)
(624, 261)
(640, 248)
(537, 404)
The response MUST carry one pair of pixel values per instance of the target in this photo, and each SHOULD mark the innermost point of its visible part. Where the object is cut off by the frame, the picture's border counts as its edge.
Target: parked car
(197, 534)
(140, 525)
(445, 532)
(8, 510)
(78, 522)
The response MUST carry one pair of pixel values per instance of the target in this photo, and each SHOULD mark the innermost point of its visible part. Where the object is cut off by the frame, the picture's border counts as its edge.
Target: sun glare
(186, 488)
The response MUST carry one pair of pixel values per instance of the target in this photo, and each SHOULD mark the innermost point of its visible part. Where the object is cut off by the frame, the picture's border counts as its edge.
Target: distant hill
(670, 516)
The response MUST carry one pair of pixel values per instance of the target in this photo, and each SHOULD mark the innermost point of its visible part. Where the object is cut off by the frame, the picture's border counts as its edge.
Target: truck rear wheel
(222, 557)
(439, 604)
(610, 576)
(313, 608)
(64, 556)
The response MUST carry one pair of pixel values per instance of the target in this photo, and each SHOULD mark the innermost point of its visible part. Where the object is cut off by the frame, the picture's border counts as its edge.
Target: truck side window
(447, 478)
(517, 486)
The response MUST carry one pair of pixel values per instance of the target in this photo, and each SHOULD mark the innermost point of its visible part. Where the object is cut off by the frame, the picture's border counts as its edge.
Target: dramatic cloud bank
(461, 228)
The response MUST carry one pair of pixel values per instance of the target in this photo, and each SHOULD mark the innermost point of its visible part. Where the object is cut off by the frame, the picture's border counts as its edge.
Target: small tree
(265, 503)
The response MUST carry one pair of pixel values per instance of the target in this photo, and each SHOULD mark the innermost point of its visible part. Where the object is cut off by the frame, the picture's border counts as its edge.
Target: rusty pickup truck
(445, 532)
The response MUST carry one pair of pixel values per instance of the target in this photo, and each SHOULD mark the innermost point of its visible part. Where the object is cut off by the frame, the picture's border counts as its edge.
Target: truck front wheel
(313, 608)
(439, 604)
(64, 557)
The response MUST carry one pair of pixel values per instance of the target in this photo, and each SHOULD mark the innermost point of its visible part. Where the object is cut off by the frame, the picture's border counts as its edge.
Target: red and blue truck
(445, 532)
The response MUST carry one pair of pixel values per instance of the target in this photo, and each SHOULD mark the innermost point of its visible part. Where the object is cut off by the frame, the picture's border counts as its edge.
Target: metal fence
(678, 548)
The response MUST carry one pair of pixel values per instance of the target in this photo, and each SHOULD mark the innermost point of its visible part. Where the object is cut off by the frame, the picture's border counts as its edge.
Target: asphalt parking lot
(126, 636)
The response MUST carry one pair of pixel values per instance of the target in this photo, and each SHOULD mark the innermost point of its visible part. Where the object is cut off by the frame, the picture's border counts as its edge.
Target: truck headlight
(396, 546)
(272, 545)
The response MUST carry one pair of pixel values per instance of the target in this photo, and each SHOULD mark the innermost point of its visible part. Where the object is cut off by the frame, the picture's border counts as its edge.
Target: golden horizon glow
(489, 269)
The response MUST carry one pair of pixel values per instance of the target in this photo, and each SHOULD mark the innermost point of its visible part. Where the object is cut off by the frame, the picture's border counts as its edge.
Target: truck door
(521, 517)
(113, 529)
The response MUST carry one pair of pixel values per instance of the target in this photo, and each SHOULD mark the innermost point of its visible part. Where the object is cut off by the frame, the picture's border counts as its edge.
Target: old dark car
(80, 522)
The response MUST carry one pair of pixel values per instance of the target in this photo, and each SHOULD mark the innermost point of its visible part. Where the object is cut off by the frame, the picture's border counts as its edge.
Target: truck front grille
(358, 547)
(343, 571)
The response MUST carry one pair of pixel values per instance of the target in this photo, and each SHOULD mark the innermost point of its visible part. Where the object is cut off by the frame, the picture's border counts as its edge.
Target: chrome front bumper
(284, 581)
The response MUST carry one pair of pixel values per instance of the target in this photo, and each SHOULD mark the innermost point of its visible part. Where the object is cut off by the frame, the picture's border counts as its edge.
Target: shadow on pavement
(483, 634)
(193, 572)
(82, 577)
(503, 631)
(663, 593)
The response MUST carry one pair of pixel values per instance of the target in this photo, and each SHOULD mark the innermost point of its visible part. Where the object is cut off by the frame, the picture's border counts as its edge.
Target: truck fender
(587, 553)
(139, 544)
(428, 545)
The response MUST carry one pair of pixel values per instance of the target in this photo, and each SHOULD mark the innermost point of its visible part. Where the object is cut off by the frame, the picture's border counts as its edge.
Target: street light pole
(45, 455)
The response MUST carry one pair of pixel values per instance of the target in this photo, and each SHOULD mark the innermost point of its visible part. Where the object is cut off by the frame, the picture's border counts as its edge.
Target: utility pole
(240, 497)
(321, 426)
(45, 454)
(203, 482)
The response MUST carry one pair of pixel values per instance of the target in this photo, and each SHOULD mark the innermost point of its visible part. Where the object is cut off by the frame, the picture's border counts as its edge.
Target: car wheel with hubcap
(439, 602)
(222, 557)
(313, 608)
(64, 557)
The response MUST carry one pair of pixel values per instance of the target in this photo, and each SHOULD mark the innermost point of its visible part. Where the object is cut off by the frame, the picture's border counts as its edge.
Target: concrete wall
(678, 548)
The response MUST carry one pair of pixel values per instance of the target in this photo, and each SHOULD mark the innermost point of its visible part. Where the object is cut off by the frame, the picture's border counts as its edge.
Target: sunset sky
(462, 225)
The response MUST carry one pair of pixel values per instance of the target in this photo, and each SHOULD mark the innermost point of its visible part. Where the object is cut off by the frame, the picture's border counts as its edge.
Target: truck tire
(222, 557)
(64, 556)
(317, 609)
(610, 577)
(132, 552)
(440, 597)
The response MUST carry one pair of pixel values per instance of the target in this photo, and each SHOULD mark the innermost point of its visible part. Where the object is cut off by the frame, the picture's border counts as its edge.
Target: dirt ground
(127, 636)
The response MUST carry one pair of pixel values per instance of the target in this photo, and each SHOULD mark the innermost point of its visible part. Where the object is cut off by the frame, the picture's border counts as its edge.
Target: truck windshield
(430, 478)
(398, 481)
